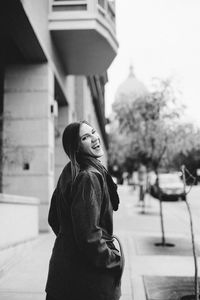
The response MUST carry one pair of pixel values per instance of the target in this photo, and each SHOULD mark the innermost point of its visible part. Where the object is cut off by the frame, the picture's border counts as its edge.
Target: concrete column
(60, 156)
(28, 134)
(79, 97)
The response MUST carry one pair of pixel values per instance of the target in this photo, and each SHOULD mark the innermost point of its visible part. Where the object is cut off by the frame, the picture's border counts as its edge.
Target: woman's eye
(93, 131)
(85, 137)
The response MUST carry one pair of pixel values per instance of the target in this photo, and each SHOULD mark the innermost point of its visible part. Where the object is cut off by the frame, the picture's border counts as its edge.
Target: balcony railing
(103, 8)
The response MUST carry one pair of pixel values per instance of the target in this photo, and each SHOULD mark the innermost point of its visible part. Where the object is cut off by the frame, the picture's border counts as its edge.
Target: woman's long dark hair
(71, 142)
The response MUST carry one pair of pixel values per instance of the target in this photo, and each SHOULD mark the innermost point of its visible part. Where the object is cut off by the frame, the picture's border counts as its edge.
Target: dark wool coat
(85, 263)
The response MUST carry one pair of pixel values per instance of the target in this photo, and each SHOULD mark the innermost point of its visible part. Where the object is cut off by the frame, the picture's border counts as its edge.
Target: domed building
(131, 89)
(128, 91)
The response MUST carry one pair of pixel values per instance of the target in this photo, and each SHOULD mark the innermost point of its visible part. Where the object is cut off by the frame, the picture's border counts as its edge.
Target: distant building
(54, 57)
(128, 91)
(131, 89)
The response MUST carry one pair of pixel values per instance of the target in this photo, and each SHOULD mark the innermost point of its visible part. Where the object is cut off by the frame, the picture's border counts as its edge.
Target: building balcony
(84, 34)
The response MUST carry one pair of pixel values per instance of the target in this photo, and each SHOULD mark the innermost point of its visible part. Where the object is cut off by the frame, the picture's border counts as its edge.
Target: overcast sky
(160, 38)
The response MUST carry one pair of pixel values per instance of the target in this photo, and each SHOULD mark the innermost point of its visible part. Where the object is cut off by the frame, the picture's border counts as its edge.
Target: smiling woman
(85, 263)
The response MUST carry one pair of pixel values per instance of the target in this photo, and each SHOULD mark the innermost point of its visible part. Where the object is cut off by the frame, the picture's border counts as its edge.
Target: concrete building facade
(54, 56)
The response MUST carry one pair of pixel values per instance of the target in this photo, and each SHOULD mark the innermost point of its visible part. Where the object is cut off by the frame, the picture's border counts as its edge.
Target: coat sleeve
(53, 215)
(85, 210)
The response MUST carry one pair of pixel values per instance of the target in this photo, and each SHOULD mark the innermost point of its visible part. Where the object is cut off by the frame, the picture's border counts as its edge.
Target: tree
(191, 157)
(149, 130)
(118, 146)
(148, 124)
(196, 283)
(151, 124)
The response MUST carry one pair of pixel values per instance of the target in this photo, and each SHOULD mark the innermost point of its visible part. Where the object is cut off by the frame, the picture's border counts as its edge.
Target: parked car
(171, 187)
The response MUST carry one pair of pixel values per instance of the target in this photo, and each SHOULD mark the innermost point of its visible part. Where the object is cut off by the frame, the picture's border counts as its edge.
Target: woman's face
(90, 141)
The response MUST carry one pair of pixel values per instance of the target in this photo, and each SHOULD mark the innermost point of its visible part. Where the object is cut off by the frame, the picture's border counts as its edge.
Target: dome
(132, 87)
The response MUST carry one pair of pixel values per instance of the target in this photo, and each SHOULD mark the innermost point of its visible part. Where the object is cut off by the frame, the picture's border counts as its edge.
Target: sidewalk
(155, 272)
(26, 278)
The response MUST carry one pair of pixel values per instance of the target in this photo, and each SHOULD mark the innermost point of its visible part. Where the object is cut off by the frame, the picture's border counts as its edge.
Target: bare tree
(196, 284)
